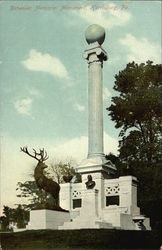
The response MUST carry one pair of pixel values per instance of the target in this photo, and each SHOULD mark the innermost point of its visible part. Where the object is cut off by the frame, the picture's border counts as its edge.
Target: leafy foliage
(137, 111)
(58, 169)
(31, 193)
(18, 216)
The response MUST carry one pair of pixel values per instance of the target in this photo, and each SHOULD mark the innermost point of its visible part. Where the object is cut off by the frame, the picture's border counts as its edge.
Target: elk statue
(43, 183)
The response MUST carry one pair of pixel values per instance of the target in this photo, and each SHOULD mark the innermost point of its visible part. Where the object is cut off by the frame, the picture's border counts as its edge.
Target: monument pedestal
(112, 203)
(89, 214)
(47, 219)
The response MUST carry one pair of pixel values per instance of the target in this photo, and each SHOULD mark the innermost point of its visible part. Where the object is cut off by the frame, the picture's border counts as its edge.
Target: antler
(42, 155)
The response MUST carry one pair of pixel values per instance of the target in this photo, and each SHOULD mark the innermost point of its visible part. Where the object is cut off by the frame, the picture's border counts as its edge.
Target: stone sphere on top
(95, 33)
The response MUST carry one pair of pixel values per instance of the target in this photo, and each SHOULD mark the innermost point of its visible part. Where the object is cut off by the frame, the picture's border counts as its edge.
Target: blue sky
(43, 76)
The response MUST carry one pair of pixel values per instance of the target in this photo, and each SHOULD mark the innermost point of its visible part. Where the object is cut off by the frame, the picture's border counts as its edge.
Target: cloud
(38, 61)
(34, 92)
(140, 50)
(23, 106)
(79, 107)
(78, 147)
(109, 16)
(113, 60)
(106, 93)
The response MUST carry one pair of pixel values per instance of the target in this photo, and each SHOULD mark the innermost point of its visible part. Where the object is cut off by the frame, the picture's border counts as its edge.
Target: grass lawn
(81, 239)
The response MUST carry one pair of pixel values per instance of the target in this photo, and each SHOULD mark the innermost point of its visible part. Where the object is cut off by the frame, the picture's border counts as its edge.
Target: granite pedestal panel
(47, 219)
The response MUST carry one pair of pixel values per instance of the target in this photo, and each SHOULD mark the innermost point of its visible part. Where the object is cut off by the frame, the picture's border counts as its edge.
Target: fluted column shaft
(95, 57)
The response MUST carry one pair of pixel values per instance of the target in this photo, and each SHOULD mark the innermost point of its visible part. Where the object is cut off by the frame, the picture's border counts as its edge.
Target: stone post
(90, 204)
(65, 196)
(128, 194)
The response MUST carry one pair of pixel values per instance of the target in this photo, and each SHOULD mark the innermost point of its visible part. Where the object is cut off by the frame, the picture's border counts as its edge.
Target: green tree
(29, 192)
(18, 216)
(31, 195)
(6, 219)
(59, 169)
(137, 111)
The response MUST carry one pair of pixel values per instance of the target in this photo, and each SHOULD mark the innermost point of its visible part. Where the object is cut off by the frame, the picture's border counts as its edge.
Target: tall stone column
(95, 57)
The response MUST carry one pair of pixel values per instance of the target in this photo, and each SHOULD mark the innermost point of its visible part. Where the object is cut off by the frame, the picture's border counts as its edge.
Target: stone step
(77, 224)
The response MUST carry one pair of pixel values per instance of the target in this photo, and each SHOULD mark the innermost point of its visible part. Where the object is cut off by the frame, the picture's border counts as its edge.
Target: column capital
(95, 54)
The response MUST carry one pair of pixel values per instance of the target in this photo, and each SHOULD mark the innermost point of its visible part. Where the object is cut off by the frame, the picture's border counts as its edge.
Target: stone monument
(99, 201)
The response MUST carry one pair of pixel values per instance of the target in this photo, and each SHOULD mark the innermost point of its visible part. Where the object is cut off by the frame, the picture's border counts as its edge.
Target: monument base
(88, 217)
(47, 219)
(111, 203)
(110, 220)
(96, 164)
